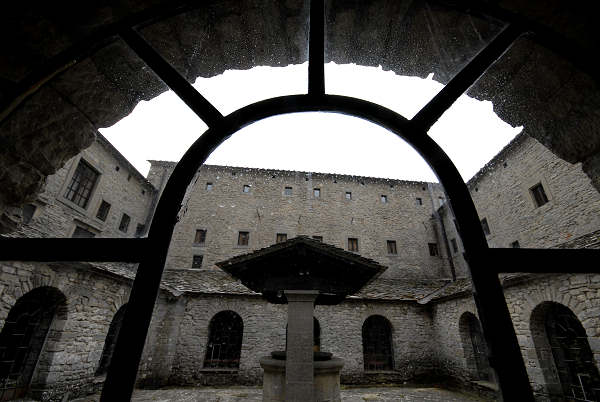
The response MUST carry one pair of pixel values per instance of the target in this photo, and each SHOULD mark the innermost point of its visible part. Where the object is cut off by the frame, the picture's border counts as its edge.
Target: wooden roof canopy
(303, 263)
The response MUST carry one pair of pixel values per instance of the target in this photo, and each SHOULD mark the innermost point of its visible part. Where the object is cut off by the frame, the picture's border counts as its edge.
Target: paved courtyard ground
(239, 394)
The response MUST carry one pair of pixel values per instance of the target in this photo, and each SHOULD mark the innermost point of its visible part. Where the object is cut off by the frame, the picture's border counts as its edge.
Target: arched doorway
(377, 344)
(23, 337)
(224, 346)
(474, 347)
(566, 358)
(110, 341)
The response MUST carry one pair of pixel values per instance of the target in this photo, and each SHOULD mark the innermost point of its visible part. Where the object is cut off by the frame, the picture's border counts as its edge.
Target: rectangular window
(419, 201)
(197, 261)
(348, 195)
(538, 194)
(139, 229)
(384, 198)
(391, 247)
(124, 225)
(82, 183)
(433, 249)
(454, 245)
(200, 236)
(352, 244)
(81, 233)
(317, 192)
(318, 238)
(103, 211)
(246, 188)
(243, 238)
(485, 226)
(281, 237)
(287, 191)
(515, 244)
(209, 186)
(28, 213)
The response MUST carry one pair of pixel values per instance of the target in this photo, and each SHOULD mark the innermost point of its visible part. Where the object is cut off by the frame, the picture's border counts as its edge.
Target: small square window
(246, 188)
(243, 238)
(384, 198)
(197, 261)
(287, 191)
(515, 244)
(103, 211)
(209, 186)
(454, 245)
(200, 236)
(539, 195)
(352, 244)
(318, 238)
(124, 225)
(348, 195)
(391, 247)
(281, 237)
(433, 249)
(419, 201)
(317, 192)
(139, 229)
(81, 233)
(485, 226)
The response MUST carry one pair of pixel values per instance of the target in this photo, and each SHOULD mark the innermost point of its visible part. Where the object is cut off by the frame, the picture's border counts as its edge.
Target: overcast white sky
(164, 127)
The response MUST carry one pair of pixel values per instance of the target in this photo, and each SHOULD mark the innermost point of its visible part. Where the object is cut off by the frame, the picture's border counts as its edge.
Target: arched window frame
(383, 342)
(227, 325)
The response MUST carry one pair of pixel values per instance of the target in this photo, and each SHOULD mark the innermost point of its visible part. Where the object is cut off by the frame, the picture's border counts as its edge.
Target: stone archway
(474, 347)
(564, 353)
(377, 344)
(224, 346)
(23, 339)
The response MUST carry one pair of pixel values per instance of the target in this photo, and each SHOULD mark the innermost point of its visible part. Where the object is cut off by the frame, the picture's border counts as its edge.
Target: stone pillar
(299, 366)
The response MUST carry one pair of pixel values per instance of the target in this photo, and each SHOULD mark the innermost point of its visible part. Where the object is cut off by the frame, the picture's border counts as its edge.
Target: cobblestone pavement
(239, 394)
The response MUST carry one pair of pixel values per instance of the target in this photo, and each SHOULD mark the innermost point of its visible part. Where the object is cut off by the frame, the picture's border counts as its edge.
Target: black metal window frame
(280, 237)
(103, 210)
(484, 263)
(82, 183)
(353, 244)
(391, 247)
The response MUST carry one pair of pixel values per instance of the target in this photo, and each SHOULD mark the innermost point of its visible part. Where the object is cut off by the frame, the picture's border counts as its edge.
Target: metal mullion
(316, 49)
(178, 84)
(540, 261)
(466, 77)
(72, 249)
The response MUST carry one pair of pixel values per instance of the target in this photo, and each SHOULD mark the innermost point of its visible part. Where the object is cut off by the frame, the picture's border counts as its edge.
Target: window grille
(82, 183)
(224, 341)
(377, 344)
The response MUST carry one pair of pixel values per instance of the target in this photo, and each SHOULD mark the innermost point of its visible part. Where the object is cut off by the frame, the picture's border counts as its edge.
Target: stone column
(299, 368)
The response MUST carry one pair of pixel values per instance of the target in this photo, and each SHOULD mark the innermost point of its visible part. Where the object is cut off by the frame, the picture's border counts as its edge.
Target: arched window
(474, 346)
(224, 346)
(110, 341)
(377, 343)
(565, 355)
(22, 339)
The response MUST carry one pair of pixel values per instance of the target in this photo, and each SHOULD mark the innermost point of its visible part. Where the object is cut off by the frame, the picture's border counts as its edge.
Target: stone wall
(118, 183)
(266, 210)
(579, 293)
(341, 334)
(501, 193)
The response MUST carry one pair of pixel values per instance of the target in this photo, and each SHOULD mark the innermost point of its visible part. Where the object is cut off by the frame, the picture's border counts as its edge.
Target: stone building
(417, 322)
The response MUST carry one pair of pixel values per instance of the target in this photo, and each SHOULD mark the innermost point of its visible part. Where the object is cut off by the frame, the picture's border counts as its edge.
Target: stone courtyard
(236, 394)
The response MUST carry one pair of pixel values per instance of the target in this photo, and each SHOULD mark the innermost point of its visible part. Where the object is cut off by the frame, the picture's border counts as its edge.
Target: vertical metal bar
(316, 49)
(466, 77)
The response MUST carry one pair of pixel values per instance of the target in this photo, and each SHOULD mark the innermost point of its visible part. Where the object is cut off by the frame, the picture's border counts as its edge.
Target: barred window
(224, 341)
(352, 244)
(82, 184)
